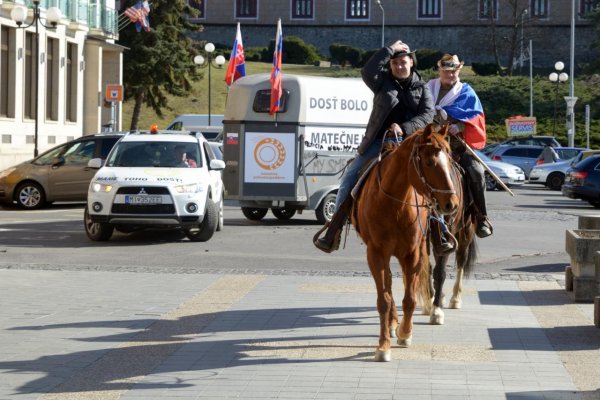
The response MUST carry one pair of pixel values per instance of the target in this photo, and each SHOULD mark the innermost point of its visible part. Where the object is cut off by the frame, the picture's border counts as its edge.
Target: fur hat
(450, 62)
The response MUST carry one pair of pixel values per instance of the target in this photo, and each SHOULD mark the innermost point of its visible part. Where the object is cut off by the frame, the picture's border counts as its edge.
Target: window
(71, 83)
(7, 72)
(585, 7)
(302, 8)
(52, 79)
(80, 152)
(198, 5)
(29, 107)
(357, 9)
(262, 101)
(488, 9)
(539, 8)
(430, 9)
(245, 8)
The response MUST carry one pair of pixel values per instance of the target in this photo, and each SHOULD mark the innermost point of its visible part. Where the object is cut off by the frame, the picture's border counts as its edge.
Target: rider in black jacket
(402, 104)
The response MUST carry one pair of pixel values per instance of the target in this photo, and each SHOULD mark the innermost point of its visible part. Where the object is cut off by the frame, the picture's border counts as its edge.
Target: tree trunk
(137, 108)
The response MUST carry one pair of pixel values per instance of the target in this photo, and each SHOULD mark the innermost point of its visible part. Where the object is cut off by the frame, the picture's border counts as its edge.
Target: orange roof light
(153, 128)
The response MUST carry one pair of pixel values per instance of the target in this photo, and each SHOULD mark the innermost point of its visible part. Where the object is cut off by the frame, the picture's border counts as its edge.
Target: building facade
(456, 26)
(75, 61)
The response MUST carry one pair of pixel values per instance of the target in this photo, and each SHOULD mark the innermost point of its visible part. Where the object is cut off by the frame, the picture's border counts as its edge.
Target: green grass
(501, 97)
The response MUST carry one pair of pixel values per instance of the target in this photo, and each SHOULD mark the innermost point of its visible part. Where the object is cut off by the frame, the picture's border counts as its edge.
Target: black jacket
(414, 97)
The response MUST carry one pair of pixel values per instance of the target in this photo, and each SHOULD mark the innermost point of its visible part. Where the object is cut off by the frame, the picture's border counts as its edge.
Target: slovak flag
(276, 90)
(461, 103)
(237, 62)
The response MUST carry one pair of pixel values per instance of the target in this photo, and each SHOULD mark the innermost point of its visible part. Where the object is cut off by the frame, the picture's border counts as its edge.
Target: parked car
(583, 181)
(553, 174)
(199, 123)
(158, 180)
(509, 174)
(524, 140)
(59, 174)
(523, 156)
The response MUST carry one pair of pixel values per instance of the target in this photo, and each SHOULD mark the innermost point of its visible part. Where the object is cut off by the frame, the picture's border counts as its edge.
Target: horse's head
(431, 158)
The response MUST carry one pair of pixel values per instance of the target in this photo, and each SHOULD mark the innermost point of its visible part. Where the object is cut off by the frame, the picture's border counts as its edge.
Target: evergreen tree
(159, 61)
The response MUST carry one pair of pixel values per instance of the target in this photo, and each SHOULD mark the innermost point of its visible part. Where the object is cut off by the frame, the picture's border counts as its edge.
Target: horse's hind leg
(393, 310)
(456, 300)
(428, 303)
(380, 269)
(439, 277)
(409, 302)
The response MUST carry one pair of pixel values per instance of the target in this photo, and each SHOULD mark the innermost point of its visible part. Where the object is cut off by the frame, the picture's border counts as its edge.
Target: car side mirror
(58, 161)
(96, 163)
(217, 164)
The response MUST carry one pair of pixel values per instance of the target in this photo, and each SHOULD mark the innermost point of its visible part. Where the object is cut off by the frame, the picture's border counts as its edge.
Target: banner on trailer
(269, 157)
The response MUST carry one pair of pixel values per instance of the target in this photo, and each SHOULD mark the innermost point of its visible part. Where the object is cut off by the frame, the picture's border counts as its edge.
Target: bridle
(416, 159)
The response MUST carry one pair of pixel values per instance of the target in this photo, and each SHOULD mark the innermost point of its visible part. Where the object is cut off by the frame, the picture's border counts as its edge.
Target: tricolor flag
(138, 14)
(462, 104)
(276, 72)
(237, 63)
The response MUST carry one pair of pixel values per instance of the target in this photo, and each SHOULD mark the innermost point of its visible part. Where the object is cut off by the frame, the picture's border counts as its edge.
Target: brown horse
(461, 225)
(391, 217)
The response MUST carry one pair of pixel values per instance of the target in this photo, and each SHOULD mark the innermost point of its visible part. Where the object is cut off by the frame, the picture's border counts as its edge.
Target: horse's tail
(468, 258)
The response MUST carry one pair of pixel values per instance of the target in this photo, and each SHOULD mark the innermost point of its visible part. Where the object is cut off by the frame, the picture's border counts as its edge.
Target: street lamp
(522, 58)
(218, 61)
(19, 15)
(382, 24)
(558, 76)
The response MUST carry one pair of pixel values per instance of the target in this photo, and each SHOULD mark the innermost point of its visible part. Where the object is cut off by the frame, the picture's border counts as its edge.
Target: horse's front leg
(456, 300)
(436, 317)
(393, 314)
(380, 270)
(410, 269)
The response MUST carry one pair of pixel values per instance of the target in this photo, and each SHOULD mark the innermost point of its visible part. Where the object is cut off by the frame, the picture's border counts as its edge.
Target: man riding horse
(457, 103)
(402, 104)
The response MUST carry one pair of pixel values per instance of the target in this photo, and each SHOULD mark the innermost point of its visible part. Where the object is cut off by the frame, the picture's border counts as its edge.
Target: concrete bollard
(597, 311)
(582, 246)
(588, 222)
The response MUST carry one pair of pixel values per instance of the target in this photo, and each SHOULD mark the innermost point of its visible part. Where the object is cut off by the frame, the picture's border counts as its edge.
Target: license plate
(136, 199)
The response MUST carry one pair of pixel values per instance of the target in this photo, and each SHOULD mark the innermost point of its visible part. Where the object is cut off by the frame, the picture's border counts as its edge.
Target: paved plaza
(142, 335)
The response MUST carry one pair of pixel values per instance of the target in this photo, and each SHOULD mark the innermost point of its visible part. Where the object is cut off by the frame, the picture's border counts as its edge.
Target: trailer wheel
(326, 209)
(283, 213)
(254, 214)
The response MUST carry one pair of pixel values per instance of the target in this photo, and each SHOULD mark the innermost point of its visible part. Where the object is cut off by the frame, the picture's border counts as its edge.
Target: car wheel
(30, 196)
(221, 220)
(254, 214)
(326, 209)
(207, 227)
(490, 183)
(555, 180)
(283, 213)
(96, 231)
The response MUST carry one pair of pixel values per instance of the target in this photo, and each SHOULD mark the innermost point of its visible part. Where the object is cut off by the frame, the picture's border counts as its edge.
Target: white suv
(156, 180)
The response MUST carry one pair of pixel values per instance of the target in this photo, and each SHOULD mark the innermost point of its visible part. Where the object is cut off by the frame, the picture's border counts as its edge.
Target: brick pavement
(148, 335)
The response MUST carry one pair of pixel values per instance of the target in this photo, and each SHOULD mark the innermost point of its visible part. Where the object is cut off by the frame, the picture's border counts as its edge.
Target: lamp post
(382, 24)
(19, 15)
(571, 99)
(557, 76)
(522, 58)
(200, 61)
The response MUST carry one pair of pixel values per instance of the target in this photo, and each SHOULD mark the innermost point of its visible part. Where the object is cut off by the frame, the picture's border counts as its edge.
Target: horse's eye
(430, 163)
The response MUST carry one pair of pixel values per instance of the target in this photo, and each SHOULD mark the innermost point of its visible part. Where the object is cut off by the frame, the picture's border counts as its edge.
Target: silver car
(553, 174)
(509, 174)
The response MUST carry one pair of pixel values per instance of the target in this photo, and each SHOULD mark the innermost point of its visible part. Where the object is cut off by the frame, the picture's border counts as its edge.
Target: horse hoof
(381, 355)
(405, 342)
(455, 304)
(437, 317)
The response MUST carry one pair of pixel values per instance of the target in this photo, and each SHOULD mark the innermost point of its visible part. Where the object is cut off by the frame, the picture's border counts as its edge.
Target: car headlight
(7, 172)
(191, 188)
(101, 187)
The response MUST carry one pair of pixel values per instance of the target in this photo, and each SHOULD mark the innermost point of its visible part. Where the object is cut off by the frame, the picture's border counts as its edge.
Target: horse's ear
(444, 129)
(428, 130)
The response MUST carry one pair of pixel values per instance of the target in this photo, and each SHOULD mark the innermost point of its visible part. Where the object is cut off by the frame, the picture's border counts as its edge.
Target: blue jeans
(351, 174)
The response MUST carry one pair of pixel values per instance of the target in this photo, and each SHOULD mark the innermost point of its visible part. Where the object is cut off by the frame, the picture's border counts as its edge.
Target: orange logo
(269, 154)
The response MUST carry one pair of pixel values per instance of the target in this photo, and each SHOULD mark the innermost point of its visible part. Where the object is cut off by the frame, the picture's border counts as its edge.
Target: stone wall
(473, 44)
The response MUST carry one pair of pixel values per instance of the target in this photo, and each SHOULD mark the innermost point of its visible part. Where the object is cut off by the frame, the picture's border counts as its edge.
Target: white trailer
(292, 162)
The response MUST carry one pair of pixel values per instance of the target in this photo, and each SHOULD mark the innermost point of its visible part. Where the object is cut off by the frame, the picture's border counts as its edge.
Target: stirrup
(484, 228)
(323, 245)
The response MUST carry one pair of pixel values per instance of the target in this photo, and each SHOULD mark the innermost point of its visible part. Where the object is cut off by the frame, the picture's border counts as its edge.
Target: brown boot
(331, 241)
